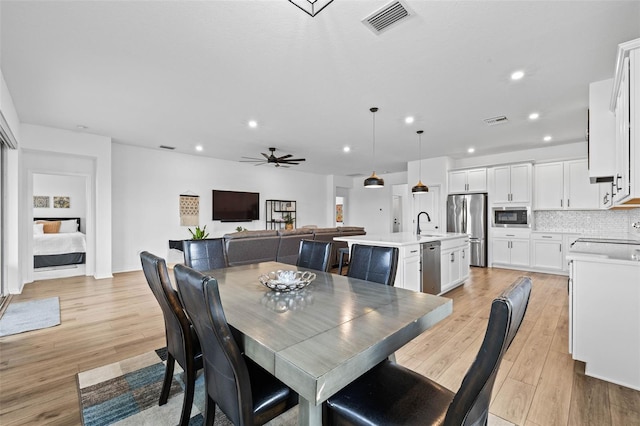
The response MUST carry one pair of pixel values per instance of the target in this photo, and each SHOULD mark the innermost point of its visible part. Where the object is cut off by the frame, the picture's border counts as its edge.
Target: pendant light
(374, 181)
(420, 187)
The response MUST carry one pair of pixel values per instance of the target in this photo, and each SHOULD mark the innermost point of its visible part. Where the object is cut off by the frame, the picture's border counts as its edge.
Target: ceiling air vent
(388, 15)
(494, 121)
(167, 147)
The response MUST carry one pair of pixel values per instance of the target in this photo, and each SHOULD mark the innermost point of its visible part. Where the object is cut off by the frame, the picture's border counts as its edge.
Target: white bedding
(69, 242)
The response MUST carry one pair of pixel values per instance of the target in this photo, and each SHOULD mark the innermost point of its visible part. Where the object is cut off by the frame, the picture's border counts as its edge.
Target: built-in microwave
(511, 217)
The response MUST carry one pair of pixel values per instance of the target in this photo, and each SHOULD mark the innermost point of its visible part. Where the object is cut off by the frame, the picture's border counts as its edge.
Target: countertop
(605, 252)
(401, 239)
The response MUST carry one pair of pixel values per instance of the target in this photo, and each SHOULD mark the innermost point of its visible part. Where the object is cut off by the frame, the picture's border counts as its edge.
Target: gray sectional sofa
(247, 247)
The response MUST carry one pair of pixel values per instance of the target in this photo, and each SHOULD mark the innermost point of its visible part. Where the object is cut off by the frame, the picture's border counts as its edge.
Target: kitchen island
(454, 256)
(604, 309)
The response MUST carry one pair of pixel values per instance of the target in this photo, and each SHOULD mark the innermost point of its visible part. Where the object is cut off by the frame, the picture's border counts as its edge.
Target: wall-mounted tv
(233, 206)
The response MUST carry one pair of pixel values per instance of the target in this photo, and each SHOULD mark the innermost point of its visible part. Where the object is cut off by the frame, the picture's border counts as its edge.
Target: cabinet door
(445, 270)
(464, 262)
(454, 266)
(458, 182)
(623, 147)
(501, 184)
(477, 180)
(547, 254)
(412, 273)
(548, 186)
(605, 199)
(520, 253)
(521, 183)
(579, 193)
(501, 250)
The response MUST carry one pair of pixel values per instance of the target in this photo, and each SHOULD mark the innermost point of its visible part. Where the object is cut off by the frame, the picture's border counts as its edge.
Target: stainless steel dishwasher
(430, 267)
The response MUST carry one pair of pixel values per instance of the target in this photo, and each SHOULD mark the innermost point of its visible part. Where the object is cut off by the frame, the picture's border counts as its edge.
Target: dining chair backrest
(373, 263)
(177, 326)
(470, 406)
(205, 255)
(314, 255)
(226, 374)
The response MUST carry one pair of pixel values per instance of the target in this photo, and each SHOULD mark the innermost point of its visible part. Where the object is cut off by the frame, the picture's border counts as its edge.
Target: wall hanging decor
(189, 210)
(61, 202)
(40, 202)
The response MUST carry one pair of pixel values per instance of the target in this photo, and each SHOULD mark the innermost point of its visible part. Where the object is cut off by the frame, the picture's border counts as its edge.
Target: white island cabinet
(409, 274)
(604, 310)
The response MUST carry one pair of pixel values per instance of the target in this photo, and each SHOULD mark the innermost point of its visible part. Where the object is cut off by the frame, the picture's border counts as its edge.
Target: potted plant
(288, 221)
(199, 234)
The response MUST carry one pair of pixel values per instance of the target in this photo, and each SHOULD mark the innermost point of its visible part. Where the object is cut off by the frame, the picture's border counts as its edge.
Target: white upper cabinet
(564, 185)
(474, 180)
(602, 122)
(625, 102)
(511, 184)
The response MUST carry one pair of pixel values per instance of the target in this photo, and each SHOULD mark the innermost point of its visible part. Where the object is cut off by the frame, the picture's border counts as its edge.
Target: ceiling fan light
(374, 181)
(420, 188)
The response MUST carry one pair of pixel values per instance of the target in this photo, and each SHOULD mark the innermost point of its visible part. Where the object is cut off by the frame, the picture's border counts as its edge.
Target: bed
(62, 245)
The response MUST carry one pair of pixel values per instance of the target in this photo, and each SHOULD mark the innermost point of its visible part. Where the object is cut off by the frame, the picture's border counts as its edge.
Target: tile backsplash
(603, 223)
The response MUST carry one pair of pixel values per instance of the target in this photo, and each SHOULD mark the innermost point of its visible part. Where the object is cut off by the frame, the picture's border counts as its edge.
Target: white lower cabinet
(454, 263)
(410, 261)
(510, 247)
(547, 251)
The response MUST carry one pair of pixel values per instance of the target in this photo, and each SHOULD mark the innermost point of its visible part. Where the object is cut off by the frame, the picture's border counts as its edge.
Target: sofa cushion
(325, 230)
(299, 231)
(350, 229)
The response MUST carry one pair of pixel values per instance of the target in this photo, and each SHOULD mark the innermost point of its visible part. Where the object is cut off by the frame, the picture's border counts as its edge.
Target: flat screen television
(233, 206)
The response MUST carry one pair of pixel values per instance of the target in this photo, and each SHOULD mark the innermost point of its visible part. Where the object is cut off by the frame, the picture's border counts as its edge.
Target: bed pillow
(67, 226)
(50, 227)
(38, 228)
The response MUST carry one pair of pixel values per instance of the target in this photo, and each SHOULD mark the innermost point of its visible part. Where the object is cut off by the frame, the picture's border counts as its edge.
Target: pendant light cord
(373, 160)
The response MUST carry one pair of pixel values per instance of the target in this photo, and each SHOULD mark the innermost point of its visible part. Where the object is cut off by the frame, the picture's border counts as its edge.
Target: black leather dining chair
(373, 263)
(182, 342)
(314, 255)
(205, 255)
(243, 390)
(390, 394)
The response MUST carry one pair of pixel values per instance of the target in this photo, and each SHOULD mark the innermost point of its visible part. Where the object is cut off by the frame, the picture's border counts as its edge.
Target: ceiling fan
(284, 161)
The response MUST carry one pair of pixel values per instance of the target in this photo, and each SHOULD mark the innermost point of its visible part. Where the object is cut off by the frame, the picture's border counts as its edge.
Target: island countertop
(400, 239)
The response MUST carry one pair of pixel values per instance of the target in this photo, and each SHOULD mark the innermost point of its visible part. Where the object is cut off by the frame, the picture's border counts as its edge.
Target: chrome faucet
(418, 222)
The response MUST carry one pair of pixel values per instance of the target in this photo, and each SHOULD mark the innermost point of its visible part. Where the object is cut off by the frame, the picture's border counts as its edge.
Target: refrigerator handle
(464, 214)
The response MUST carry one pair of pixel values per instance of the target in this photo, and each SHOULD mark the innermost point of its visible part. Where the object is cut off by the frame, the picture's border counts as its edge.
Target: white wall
(51, 186)
(372, 207)
(64, 152)
(147, 184)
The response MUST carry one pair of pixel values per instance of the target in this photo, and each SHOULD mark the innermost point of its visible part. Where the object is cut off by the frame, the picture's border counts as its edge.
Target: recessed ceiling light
(517, 75)
(346, 149)
(534, 116)
(253, 124)
(199, 148)
(409, 120)
(471, 150)
(547, 138)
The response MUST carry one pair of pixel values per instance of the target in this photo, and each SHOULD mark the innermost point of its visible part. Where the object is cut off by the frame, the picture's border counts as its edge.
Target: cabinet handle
(561, 203)
(560, 248)
(568, 203)
(547, 236)
(463, 254)
(414, 251)
(510, 235)
(452, 257)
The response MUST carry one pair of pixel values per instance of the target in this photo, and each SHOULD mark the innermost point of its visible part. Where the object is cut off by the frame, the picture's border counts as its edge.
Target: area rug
(127, 393)
(32, 315)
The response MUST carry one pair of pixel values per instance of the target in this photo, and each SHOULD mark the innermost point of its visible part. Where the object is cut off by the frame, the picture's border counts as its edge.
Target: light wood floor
(109, 320)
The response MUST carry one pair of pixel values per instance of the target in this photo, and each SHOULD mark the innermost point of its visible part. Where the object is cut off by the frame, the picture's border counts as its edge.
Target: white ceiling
(183, 73)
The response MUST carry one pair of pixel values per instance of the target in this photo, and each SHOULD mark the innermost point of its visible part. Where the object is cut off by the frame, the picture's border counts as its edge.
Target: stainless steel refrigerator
(467, 213)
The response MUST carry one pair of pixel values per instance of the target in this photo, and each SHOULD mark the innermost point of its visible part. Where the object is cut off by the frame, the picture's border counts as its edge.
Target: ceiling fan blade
(294, 159)
(265, 155)
(260, 163)
(252, 159)
(284, 157)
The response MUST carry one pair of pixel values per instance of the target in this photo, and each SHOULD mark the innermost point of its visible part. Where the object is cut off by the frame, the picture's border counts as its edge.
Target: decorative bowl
(285, 281)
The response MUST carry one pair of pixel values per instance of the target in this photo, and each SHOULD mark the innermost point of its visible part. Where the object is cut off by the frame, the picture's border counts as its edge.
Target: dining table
(320, 338)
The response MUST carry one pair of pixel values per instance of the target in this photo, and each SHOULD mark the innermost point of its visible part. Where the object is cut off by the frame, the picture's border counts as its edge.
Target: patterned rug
(127, 393)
